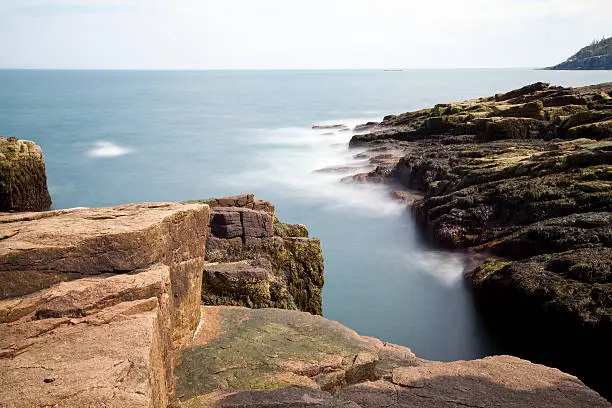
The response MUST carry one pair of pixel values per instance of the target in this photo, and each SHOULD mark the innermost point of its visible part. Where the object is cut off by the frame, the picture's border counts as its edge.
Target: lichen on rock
(523, 179)
(23, 180)
(257, 261)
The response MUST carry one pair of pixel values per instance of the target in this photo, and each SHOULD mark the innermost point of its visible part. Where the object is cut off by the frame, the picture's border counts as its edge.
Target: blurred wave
(294, 158)
(108, 149)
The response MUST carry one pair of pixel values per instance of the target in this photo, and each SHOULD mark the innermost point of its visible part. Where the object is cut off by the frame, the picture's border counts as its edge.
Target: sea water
(112, 137)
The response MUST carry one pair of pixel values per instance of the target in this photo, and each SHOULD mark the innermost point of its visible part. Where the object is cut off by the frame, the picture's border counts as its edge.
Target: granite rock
(301, 360)
(41, 249)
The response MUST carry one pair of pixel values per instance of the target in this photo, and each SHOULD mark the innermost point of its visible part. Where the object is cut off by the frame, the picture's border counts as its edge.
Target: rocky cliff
(23, 180)
(95, 301)
(102, 308)
(598, 55)
(523, 180)
(257, 261)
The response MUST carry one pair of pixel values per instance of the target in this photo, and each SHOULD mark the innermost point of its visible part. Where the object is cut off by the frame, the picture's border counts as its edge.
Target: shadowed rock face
(23, 180)
(307, 361)
(523, 178)
(257, 261)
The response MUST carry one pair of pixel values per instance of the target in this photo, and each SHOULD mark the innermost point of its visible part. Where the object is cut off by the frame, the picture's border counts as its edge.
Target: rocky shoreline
(143, 305)
(523, 181)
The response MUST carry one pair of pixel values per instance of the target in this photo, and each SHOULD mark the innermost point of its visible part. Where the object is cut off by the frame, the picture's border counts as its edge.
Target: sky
(296, 34)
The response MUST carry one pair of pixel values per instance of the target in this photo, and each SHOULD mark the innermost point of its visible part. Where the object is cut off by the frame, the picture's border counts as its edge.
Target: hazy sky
(209, 34)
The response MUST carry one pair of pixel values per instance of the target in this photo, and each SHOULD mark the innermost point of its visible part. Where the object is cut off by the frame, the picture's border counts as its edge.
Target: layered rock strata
(257, 261)
(94, 301)
(524, 181)
(23, 179)
(101, 307)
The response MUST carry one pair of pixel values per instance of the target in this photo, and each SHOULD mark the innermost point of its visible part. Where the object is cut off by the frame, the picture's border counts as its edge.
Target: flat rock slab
(262, 349)
(86, 296)
(499, 381)
(270, 357)
(38, 250)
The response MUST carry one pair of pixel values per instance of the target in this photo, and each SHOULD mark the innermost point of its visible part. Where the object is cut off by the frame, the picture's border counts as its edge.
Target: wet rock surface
(523, 179)
(23, 179)
(301, 360)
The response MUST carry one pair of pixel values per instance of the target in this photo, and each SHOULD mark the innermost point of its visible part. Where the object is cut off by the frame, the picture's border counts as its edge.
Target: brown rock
(44, 248)
(257, 224)
(233, 222)
(23, 179)
(226, 368)
(493, 381)
(406, 197)
(295, 264)
(239, 201)
(99, 341)
(292, 348)
(243, 283)
(85, 296)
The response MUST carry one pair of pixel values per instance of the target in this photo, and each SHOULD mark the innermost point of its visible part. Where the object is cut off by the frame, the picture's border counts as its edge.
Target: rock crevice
(522, 180)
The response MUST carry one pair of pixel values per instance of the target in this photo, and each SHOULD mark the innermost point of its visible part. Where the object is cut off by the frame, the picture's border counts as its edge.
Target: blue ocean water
(112, 137)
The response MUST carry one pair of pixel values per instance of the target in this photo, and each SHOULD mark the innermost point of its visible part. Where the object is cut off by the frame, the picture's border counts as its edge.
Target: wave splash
(108, 149)
(309, 163)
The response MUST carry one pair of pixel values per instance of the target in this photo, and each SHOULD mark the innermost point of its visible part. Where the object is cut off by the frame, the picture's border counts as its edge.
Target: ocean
(112, 137)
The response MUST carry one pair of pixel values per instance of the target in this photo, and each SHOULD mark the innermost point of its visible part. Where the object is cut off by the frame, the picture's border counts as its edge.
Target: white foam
(108, 149)
(446, 267)
(292, 156)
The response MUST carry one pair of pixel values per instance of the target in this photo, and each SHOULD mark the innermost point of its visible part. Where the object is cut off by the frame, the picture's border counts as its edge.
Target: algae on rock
(23, 180)
(257, 261)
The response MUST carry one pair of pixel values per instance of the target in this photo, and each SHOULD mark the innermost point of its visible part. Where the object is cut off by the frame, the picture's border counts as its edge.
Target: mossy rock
(269, 349)
(290, 230)
(23, 179)
(532, 110)
(597, 130)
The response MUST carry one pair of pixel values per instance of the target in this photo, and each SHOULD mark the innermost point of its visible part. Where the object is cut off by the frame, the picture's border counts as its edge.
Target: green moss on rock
(23, 180)
(290, 230)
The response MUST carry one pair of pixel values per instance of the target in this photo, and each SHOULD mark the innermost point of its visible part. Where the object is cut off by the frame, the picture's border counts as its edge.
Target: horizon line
(265, 69)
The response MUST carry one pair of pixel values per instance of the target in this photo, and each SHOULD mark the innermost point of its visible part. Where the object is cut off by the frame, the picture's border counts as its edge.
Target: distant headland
(598, 55)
